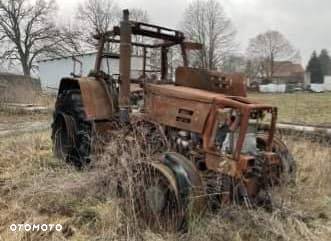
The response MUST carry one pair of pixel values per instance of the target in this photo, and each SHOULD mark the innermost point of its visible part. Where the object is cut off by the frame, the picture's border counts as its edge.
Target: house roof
(287, 69)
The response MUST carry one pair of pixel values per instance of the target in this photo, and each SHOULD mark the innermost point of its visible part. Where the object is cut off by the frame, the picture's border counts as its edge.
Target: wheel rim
(60, 148)
(156, 201)
(64, 135)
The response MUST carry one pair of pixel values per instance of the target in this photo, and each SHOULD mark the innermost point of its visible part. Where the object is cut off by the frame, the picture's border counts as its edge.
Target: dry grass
(36, 188)
(307, 108)
(10, 114)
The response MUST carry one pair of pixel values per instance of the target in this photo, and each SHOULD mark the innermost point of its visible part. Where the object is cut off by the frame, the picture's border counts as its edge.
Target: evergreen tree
(325, 61)
(315, 68)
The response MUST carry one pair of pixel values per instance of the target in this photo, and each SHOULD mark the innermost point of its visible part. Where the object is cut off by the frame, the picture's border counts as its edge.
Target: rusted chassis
(87, 106)
(197, 111)
(164, 104)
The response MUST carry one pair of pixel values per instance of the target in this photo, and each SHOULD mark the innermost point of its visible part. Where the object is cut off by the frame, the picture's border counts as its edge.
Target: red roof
(287, 69)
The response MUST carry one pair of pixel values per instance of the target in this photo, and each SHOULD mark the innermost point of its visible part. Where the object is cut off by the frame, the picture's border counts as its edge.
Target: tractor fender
(98, 105)
(182, 179)
(189, 182)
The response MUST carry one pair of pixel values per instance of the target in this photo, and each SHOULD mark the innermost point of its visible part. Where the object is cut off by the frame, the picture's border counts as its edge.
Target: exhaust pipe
(125, 67)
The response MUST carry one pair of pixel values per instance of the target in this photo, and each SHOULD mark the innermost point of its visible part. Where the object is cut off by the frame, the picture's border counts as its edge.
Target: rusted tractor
(217, 152)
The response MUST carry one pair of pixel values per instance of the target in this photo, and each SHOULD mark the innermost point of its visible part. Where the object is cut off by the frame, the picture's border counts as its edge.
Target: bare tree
(252, 69)
(138, 15)
(96, 17)
(268, 48)
(29, 31)
(205, 22)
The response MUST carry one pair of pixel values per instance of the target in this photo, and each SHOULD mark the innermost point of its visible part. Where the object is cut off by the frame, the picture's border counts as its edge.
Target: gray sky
(306, 23)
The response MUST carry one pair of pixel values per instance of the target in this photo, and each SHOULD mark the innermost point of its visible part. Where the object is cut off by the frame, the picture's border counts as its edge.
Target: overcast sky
(306, 23)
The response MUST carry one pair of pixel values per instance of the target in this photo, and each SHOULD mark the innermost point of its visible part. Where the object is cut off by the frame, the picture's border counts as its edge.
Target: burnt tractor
(218, 152)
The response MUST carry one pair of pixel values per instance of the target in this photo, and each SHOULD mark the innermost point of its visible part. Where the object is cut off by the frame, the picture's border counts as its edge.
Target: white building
(325, 86)
(51, 71)
(327, 82)
(272, 88)
(318, 87)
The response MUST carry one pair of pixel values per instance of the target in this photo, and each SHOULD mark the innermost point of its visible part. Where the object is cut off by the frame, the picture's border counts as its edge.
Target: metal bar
(184, 55)
(142, 45)
(164, 63)
(125, 67)
(144, 61)
(242, 133)
(153, 31)
(155, 26)
(134, 43)
(272, 129)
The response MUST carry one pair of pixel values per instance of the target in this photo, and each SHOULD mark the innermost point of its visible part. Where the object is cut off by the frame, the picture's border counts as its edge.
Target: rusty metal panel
(221, 163)
(97, 105)
(182, 92)
(176, 112)
(238, 85)
(217, 82)
(195, 78)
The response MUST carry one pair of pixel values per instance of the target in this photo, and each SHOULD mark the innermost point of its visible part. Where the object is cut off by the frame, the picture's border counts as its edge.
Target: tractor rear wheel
(71, 133)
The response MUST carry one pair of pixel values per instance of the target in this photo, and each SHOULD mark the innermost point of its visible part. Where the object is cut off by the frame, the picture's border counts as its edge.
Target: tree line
(30, 32)
(319, 66)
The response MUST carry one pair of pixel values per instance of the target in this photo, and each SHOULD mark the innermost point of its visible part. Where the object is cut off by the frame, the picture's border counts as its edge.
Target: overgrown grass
(306, 108)
(11, 114)
(36, 188)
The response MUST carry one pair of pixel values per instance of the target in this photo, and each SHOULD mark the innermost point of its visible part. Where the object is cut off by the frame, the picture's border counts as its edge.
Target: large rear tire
(71, 133)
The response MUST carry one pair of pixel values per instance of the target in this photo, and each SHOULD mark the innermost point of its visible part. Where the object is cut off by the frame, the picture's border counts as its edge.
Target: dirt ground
(37, 188)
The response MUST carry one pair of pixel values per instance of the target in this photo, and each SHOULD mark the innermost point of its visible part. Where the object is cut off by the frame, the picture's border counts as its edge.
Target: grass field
(37, 188)
(305, 108)
(11, 115)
